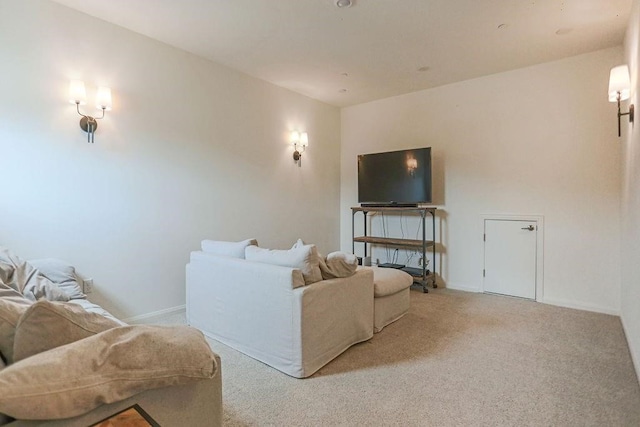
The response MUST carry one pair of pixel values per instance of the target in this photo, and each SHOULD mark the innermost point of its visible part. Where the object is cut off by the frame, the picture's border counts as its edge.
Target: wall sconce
(300, 141)
(78, 96)
(620, 90)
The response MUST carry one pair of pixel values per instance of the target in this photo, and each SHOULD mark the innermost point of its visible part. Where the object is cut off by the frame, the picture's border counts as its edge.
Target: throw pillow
(335, 265)
(108, 367)
(12, 307)
(46, 325)
(231, 249)
(338, 265)
(298, 244)
(304, 258)
(60, 273)
(39, 287)
(24, 278)
(13, 270)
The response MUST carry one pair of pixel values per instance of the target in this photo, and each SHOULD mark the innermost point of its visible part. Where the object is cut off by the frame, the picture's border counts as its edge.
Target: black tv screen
(395, 177)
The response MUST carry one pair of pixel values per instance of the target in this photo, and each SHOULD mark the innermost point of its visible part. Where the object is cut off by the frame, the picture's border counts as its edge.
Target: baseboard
(154, 314)
(462, 287)
(580, 306)
(550, 301)
(634, 347)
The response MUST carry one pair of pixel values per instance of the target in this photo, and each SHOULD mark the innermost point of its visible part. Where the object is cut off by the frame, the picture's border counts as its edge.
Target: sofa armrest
(244, 304)
(195, 404)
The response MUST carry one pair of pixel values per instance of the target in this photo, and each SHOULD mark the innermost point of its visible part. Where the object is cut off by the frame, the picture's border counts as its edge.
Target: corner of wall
(630, 200)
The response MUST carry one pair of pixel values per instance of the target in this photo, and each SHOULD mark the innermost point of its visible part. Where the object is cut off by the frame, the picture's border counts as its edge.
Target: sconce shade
(295, 137)
(103, 98)
(619, 82)
(77, 93)
(304, 139)
(78, 96)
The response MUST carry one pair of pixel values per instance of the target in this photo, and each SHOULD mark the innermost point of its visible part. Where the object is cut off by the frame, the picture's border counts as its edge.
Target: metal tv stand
(421, 276)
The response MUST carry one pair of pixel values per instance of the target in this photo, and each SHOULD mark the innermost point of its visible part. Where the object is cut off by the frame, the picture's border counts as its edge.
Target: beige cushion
(304, 258)
(387, 281)
(12, 306)
(338, 265)
(111, 366)
(46, 325)
(232, 249)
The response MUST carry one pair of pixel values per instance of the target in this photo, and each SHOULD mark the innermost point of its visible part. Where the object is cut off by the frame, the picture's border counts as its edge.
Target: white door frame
(539, 220)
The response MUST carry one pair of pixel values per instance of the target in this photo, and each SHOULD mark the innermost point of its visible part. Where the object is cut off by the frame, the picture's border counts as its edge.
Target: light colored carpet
(456, 359)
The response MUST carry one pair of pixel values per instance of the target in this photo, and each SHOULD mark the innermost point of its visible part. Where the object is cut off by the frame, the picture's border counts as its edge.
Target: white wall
(630, 230)
(191, 150)
(538, 140)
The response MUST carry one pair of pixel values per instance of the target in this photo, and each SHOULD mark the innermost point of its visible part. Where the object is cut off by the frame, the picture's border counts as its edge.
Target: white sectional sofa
(272, 313)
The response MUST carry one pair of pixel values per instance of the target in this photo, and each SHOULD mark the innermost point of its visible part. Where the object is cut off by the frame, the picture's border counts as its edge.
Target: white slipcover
(258, 309)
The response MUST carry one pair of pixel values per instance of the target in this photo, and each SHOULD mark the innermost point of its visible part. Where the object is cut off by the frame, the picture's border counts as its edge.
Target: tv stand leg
(422, 284)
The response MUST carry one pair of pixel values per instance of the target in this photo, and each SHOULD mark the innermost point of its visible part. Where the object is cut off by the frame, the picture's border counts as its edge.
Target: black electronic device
(390, 265)
(388, 205)
(395, 178)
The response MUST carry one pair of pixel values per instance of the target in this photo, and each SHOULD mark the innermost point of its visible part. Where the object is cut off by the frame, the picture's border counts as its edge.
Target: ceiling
(375, 48)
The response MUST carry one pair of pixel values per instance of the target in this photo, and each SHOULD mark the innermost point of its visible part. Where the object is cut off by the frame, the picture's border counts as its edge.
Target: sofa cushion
(305, 258)
(95, 308)
(61, 273)
(111, 366)
(12, 306)
(232, 249)
(46, 325)
(338, 265)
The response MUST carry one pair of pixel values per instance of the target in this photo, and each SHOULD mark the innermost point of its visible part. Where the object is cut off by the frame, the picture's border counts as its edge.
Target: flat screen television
(395, 178)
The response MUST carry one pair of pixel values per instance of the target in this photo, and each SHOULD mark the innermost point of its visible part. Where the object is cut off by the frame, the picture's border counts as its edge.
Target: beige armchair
(198, 404)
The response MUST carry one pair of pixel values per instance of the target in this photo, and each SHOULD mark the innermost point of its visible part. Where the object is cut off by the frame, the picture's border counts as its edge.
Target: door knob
(530, 228)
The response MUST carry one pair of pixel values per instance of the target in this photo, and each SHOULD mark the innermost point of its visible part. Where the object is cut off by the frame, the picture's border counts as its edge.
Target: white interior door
(510, 257)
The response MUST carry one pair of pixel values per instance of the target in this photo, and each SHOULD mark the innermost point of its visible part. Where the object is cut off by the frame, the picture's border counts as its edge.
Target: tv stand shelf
(392, 241)
(426, 276)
